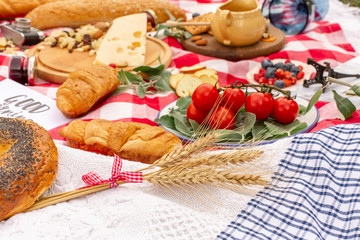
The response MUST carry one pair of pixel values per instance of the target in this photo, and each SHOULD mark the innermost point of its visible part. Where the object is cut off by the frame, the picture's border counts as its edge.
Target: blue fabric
(314, 194)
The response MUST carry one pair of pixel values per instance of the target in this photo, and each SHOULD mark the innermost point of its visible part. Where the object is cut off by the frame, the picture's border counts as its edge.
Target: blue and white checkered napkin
(315, 193)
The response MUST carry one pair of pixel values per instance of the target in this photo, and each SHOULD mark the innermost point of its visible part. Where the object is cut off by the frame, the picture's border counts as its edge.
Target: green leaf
(302, 109)
(229, 136)
(313, 100)
(133, 78)
(183, 104)
(159, 28)
(140, 90)
(150, 70)
(259, 131)
(182, 124)
(356, 89)
(302, 126)
(163, 82)
(245, 121)
(122, 77)
(166, 121)
(194, 125)
(280, 129)
(187, 35)
(345, 106)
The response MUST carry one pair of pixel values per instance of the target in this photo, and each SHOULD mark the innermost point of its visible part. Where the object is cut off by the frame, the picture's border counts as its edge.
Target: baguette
(129, 140)
(74, 13)
(19, 8)
(84, 88)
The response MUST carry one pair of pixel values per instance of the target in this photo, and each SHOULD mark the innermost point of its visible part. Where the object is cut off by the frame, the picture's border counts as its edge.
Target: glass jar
(23, 70)
(293, 16)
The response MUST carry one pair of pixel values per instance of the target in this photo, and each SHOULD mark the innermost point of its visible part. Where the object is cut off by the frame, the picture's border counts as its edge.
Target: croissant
(84, 88)
(129, 140)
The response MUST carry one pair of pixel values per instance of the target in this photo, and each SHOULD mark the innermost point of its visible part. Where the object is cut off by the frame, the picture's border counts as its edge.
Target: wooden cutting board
(55, 64)
(216, 49)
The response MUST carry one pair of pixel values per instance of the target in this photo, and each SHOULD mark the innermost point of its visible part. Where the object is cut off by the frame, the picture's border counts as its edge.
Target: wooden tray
(216, 49)
(55, 64)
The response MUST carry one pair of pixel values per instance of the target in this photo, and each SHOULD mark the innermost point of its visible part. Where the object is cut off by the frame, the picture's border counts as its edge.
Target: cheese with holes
(124, 42)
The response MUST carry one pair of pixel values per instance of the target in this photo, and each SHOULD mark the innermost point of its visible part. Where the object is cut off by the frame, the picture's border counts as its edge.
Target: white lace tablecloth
(131, 211)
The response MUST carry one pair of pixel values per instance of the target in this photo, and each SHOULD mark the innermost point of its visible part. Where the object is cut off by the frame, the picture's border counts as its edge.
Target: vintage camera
(21, 32)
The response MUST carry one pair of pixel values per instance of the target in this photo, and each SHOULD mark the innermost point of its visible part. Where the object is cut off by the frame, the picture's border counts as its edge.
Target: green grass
(354, 3)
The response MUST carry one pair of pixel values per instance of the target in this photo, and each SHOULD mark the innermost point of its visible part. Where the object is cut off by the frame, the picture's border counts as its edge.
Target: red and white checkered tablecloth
(323, 41)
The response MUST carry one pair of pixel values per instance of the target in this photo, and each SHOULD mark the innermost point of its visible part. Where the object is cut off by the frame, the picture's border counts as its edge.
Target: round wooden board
(55, 64)
(215, 49)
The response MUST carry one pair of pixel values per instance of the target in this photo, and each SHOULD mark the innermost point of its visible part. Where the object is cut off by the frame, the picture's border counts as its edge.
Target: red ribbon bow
(131, 177)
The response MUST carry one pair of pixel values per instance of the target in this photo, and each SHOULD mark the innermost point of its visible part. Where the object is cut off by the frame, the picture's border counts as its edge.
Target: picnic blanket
(314, 194)
(323, 41)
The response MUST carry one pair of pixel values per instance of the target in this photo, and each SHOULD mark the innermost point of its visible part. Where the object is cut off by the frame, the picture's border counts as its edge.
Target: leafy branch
(175, 32)
(156, 79)
(260, 88)
(344, 105)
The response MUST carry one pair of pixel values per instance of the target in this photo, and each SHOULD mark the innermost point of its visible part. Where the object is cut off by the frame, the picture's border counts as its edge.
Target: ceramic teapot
(238, 23)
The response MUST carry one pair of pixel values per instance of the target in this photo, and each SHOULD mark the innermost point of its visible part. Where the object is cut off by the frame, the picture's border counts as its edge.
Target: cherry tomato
(271, 81)
(222, 118)
(300, 75)
(233, 98)
(262, 80)
(193, 113)
(285, 110)
(205, 97)
(279, 73)
(262, 72)
(259, 103)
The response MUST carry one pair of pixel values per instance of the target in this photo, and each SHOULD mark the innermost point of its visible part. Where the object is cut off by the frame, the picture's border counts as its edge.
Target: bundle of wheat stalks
(191, 165)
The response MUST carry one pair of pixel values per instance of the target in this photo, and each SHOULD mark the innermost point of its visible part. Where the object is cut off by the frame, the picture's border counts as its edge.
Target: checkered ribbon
(116, 175)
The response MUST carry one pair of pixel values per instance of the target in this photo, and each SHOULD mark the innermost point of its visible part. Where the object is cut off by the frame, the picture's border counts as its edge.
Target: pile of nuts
(7, 45)
(85, 38)
(199, 40)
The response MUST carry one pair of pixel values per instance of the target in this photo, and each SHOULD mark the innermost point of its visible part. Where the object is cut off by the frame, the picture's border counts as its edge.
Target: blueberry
(294, 74)
(288, 66)
(270, 72)
(295, 69)
(279, 65)
(266, 63)
(279, 83)
(195, 15)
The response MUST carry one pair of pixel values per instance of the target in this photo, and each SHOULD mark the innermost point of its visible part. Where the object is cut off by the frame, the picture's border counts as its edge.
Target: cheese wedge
(124, 42)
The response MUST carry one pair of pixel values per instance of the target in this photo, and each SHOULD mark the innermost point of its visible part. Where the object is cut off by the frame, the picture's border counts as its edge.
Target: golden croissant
(85, 88)
(129, 140)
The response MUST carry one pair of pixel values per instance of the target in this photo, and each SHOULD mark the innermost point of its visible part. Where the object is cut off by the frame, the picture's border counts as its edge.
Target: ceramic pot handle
(224, 22)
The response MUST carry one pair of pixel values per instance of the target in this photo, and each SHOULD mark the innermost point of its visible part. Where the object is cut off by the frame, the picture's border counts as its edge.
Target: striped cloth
(315, 193)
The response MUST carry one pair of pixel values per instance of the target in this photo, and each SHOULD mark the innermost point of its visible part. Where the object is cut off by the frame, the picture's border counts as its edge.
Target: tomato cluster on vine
(218, 107)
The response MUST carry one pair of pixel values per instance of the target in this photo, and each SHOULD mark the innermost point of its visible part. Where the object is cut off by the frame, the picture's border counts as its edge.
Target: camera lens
(22, 24)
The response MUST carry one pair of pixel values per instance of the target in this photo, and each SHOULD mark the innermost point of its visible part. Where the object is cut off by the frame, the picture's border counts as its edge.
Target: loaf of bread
(28, 164)
(19, 8)
(74, 13)
(129, 140)
(85, 88)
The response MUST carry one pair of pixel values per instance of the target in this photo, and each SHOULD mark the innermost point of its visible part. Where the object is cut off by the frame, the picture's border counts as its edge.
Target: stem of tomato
(263, 88)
